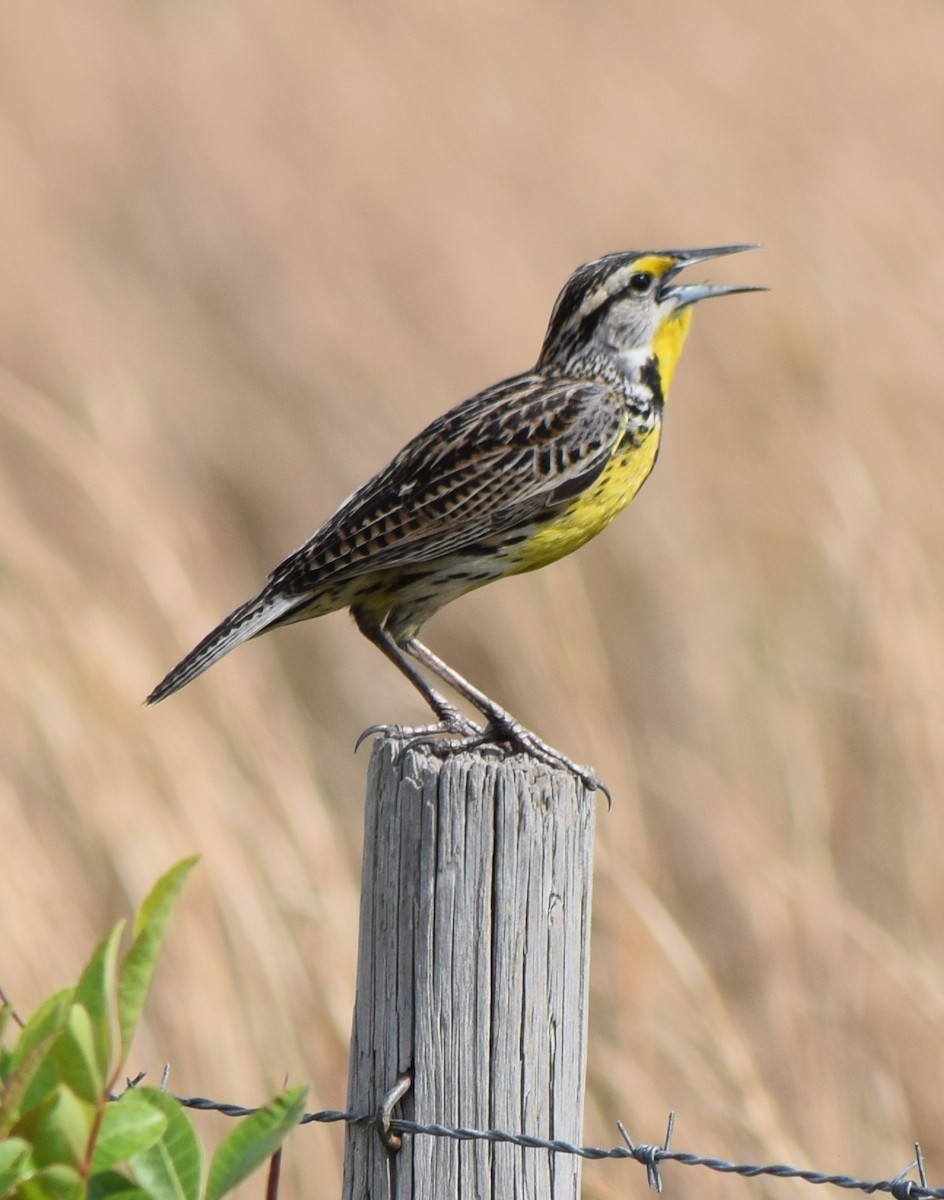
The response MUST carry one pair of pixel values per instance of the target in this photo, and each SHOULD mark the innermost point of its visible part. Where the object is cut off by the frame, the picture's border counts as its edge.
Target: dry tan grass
(247, 250)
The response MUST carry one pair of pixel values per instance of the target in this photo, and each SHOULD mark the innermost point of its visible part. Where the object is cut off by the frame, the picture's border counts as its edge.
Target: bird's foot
(452, 724)
(502, 733)
(512, 736)
(522, 741)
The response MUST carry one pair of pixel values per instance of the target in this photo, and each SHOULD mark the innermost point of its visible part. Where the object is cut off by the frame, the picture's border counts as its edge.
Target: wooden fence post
(472, 973)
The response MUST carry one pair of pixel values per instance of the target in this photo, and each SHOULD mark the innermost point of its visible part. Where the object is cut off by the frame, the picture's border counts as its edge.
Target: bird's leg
(451, 721)
(502, 726)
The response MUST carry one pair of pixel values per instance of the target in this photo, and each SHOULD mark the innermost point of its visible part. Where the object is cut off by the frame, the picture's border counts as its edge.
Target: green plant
(63, 1135)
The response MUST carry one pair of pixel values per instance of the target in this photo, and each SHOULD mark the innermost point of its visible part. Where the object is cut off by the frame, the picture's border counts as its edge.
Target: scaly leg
(451, 721)
(502, 726)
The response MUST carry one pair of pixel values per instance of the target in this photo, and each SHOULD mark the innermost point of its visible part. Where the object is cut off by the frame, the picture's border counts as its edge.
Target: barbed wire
(650, 1156)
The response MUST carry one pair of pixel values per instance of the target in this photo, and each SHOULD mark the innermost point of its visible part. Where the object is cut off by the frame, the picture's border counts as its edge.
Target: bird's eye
(641, 282)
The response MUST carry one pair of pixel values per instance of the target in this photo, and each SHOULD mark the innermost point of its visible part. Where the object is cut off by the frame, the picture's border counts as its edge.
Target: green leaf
(33, 1078)
(96, 991)
(56, 1182)
(172, 1168)
(15, 1163)
(112, 1185)
(76, 1057)
(137, 969)
(51, 1016)
(128, 1126)
(254, 1139)
(34, 1072)
(58, 1129)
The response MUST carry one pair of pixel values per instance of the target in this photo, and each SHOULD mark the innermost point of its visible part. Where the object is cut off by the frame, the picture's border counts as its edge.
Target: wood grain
(472, 971)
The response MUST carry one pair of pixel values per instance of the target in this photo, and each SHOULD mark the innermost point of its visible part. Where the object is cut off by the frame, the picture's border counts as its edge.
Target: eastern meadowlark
(510, 480)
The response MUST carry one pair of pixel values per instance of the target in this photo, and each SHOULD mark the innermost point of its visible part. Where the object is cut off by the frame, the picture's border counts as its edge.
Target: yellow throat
(624, 476)
(667, 345)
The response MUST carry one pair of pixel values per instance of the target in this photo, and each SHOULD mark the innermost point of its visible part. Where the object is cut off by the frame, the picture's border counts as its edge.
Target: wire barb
(919, 1163)
(654, 1153)
(651, 1157)
(903, 1188)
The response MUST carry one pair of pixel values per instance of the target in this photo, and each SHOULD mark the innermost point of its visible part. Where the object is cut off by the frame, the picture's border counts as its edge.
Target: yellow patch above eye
(655, 264)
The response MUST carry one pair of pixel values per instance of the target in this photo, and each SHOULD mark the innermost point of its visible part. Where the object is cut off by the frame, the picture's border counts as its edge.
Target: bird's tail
(248, 620)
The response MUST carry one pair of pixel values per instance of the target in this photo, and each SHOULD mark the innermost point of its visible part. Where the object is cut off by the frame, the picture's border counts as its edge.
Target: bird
(510, 480)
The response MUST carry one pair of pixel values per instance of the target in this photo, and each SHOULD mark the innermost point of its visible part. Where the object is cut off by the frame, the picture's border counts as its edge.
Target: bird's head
(626, 308)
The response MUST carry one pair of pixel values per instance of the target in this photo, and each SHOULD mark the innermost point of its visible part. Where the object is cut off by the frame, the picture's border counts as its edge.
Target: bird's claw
(521, 740)
(509, 737)
(506, 736)
(371, 729)
(452, 725)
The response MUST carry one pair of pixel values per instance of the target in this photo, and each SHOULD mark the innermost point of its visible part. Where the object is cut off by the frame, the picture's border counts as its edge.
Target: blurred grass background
(248, 249)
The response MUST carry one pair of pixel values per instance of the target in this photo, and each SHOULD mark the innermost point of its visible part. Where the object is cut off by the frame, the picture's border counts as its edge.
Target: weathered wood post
(472, 973)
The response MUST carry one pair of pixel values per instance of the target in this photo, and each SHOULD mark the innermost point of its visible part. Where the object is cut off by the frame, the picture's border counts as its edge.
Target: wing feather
(490, 464)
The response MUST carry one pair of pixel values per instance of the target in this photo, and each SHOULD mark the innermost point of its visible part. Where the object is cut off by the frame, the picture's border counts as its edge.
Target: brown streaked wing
(489, 464)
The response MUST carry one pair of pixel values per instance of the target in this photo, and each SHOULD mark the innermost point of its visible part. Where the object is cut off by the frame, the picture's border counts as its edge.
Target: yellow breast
(591, 512)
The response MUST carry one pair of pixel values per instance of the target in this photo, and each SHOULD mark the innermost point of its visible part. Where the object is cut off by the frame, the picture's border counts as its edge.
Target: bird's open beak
(685, 294)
